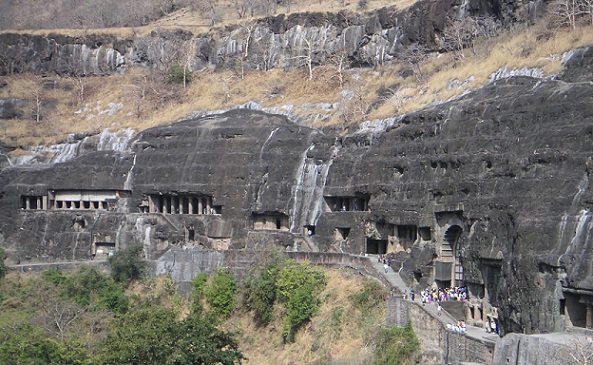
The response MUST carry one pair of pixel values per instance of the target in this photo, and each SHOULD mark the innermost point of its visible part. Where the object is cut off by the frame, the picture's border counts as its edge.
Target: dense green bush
(198, 285)
(220, 293)
(260, 293)
(127, 265)
(25, 344)
(88, 287)
(397, 345)
(3, 268)
(153, 335)
(298, 286)
(177, 74)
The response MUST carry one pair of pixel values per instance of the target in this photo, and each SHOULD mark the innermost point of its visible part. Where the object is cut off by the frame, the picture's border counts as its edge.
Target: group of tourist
(432, 295)
(458, 327)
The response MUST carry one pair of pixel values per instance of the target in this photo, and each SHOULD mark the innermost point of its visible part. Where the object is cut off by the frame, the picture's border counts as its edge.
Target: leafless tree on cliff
(312, 48)
(414, 55)
(248, 28)
(566, 13)
(208, 9)
(268, 7)
(581, 352)
(339, 60)
(459, 35)
(243, 8)
(35, 85)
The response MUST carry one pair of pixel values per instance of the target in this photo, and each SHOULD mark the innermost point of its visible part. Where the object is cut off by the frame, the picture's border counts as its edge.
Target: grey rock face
(12, 108)
(499, 180)
(281, 41)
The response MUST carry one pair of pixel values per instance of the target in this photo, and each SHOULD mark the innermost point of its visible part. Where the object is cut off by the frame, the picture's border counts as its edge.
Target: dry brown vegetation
(145, 100)
(339, 333)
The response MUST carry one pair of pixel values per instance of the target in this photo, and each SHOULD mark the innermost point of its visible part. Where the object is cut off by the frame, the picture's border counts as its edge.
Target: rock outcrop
(375, 38)
(491, 191)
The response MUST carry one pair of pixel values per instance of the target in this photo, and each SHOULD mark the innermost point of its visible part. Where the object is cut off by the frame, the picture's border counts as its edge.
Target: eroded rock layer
(491, 191)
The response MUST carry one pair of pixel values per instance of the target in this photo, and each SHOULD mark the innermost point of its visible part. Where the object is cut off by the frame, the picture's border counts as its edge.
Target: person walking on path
(386, 268)
(439, 309)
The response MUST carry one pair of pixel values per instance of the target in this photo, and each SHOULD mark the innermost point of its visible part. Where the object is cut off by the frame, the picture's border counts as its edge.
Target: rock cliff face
(492, 191)
(282, 41)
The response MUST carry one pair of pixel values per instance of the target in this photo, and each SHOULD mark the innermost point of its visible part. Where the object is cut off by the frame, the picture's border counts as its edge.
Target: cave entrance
(103, 249)
(376, 247)
(452, 249)
(191, 234)
(578, 309)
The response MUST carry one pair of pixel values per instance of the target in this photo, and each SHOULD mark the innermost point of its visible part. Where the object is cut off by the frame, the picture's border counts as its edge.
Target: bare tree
(268, 7)
(459, 35)
(35, 85)
(242, 7)
(414, 56)
(311, 47)
(208, 9)
(564, 13)
(339, 60)
(587, 9)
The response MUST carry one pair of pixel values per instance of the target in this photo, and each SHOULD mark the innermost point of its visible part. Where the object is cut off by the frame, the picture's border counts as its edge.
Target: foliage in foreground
(295, 285)
(3, 268)
(87, 287)
(127, 265)
(396, 345)
(153, 335)
(220, 293)
(371, 294)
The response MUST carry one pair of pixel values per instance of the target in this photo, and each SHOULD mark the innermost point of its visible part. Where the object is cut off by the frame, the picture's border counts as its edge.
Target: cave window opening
(417, 276)
(424, 233)
(342, 233)
(270, 222)
(562, 306)
(576, 310)
(33, 202)
(309, 230)
(358, 203)
(376, 247)
(191, 234)
(103, 250)
(406, 235)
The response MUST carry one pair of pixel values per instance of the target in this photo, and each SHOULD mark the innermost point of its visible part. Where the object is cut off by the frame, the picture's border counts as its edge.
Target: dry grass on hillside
(142, 99)
(339, 333)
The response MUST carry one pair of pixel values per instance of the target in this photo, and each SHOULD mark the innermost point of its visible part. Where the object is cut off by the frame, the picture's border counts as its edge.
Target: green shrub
(26, 344)
(300, 307)
(293, 276)
(3, 268)
(127, 265)
(298, 286)
(220, 293)
(177, 74)
(198, 285)
(153, 335)
(397, 345)
(88, 286)
(261, 293)
(371, 295)
(54, 276)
